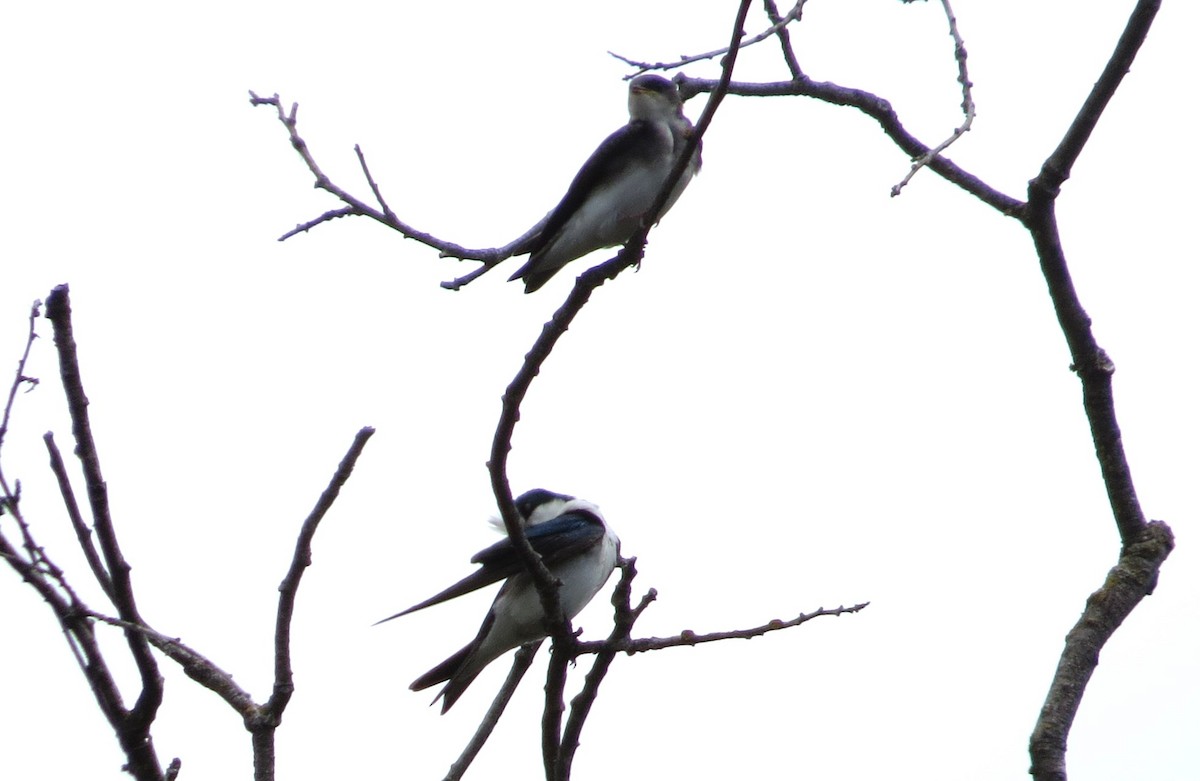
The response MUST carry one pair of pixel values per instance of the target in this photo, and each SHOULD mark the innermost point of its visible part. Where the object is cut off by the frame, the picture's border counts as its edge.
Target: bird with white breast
(580, 551)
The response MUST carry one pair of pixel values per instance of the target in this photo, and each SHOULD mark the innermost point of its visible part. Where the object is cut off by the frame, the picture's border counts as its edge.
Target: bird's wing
(634, 144)
(563, 537)
(568, 534)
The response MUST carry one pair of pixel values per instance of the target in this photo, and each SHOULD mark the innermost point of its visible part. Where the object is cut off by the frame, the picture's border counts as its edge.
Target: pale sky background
(812, 394)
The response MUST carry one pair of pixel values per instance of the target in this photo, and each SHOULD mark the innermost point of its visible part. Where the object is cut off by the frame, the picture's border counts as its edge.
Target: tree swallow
(617, 185)
(574, 542)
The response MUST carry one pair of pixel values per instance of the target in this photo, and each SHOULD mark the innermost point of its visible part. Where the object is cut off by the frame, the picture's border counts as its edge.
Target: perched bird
(617, 185)
(574, 542)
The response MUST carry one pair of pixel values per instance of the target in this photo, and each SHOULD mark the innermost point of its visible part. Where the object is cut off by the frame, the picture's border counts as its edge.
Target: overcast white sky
(812, 394)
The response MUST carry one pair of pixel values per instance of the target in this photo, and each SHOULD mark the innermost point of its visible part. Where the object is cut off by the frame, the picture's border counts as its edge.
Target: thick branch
(1092, 365)
(1144, 546)
(882, 112)
(1089, 361)
(1127, 583)
(1057, 167)
(137, 723)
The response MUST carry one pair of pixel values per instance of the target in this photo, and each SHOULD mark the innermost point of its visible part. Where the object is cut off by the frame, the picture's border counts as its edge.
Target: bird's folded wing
(557, 539)
(635, 143)
(563, 537)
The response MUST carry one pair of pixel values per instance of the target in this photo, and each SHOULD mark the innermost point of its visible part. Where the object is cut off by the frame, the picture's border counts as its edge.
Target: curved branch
(1127, 583)
(264, 719)
(1089, 361)
(1145, 546)
(301, 558)
(778, 27)
(383, 214)
(882, 112)
(968, 102)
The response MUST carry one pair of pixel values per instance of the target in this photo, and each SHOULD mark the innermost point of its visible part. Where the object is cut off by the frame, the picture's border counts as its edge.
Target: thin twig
(785, 38)
(282, 691)
(777, 25)
(355, 206)
(82, 532)
(329, 216)
(194, 664)
(690, 638)
(581, 705)
(21, 378)
(362, 161)
(968, 103)
(521, 661)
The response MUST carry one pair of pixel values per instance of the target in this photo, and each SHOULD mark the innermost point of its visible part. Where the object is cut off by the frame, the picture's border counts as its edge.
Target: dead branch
(490, 257)
(111, 572)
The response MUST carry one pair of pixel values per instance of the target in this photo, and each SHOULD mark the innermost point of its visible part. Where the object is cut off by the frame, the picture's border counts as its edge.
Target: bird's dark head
(653, 97)
(539, 505)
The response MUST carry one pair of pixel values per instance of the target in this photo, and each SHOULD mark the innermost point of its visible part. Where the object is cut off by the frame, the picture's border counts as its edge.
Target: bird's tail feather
(454, 672)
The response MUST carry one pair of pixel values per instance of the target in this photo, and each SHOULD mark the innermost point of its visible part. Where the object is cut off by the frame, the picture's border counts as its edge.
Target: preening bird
(576, 545)
(617, 185)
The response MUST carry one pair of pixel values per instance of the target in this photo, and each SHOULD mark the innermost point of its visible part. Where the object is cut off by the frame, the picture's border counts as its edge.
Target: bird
(578, 547)
(605, 203)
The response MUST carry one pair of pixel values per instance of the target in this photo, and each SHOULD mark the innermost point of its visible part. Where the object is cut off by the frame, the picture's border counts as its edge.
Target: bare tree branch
(785, 38)
(267, 717)
(778, 25)
(630, 254)
(521, 661)
(581, 706)
(1089, 361)
(111, 571)
(1144, 546)
(1127, 583)
(383, 214)
(193, 663)
(968, 103)
(134, 728)
(1058, 166)
(690, 638)
(82, 531)
(21, 378)
(882, 112)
